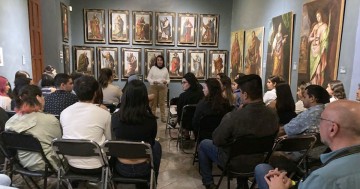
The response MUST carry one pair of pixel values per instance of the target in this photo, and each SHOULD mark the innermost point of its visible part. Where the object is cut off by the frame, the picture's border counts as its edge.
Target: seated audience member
(213, 104)
(3, 119)
(47, 84)
(19, 82)
(339, 130)
(23, 74)
(5, 100)
(192, 95)
(227, 90)
(299, 105)
(271, 83)
(315, 98)
(98, 99)
(30, 119)
(112, 93)
(136, 77)
(57, 101)
(135, 122)
(4, 180)
(236, 90)
(242, 122)
(358, 94)
(336, 90)
(284, 104)
(85, 120)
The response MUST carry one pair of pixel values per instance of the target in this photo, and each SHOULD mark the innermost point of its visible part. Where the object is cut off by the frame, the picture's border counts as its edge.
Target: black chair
(171, 122)
(80, 148)
(188, 112)
(13, 143)
(10, 113)
(259, 149)
(131, 150)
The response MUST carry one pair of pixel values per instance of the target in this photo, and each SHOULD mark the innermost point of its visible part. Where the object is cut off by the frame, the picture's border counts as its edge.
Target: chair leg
(221, 178)
(228, 182)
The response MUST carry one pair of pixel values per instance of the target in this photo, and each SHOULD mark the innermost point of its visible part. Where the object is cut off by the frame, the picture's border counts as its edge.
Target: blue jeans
(260, 171)
(208, 153)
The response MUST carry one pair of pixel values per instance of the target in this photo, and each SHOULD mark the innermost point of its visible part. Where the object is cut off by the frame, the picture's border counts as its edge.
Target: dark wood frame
(202, 30)
(64, 22)
(182, 58)
(190, 62)
(66, 59)
(115, 57)
(124, 50)
(124, 39)
(88, 39)
(159, 39)
(149, 14)
(181, 41)
(147, 55)
(225, 62)
(91, 59)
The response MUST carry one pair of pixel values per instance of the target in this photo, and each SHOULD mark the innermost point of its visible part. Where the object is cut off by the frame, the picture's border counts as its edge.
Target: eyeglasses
(323, 119)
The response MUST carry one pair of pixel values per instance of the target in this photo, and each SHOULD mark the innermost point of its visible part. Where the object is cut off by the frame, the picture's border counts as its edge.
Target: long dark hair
(162, 57)
(105, 76)
(284, 100)
(215, 97)
(134, 106)
(191, 79)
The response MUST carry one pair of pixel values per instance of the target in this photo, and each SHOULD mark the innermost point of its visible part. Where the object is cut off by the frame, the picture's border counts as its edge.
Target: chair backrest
(208, 123)
(173, 101)
(295, 143)
(187, 115)
(252, 145)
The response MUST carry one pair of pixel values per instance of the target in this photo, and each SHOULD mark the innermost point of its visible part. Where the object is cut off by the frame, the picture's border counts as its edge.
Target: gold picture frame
(209, 30)
(119, 26)
(108, 58)
(94, 25)
(142, 27)
(187, 28)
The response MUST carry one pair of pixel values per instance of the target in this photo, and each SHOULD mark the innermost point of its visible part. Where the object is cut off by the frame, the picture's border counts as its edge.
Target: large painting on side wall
(279, 46)
(320, 41)
(236, 53)
(254, 51)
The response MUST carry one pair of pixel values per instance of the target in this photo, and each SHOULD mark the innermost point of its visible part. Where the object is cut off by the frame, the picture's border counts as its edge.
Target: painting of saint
(236, 53)
(131, 62)
(187, 29)
(118, 26)
(94, 25)
(320, 37)
(165, 27)
(84, 59)
(175, 64)
(108, 58)
(142, 27)
(66, 51)
(218, 62)
(253, 50)
(65, 22)
(197, 63)
(209, 26)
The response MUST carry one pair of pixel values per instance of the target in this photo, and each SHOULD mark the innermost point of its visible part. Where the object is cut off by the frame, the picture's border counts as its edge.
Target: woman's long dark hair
(191, 79)
(215, 97)
(105, 76)
(134, 106)
(284, 100)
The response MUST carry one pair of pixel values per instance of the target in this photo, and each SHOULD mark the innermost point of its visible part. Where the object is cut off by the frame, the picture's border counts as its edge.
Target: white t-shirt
(156, 74)
(5, 103)
(269, 96)
(112, 94)
(86, 121)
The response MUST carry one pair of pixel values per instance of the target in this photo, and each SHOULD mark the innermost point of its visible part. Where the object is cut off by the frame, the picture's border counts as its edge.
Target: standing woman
(336, 90)
(5, 100)
(159, 78)
(111, 93)
(134, 122)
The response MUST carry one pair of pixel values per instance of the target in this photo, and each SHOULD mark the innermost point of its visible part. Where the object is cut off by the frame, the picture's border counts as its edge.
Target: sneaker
(210, 186)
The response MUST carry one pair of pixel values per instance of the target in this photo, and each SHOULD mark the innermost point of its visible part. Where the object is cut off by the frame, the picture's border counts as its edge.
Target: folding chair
(80, 148)
(246, 147)
(188, 112)
(13, 143)
(131, 150)
(172, 116)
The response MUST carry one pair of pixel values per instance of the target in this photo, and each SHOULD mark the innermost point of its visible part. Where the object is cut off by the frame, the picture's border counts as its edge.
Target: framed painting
(320, 39)
(108, 58)
(94, 24)
(236, 53)
(64, 22)
(84, 59)
(187, 27)
(176, 63)
(217, 62)
(150, 58)
(197, 63)
(66, 51)
(279, 46)
(142, 27)
(119, 26)
(131, 62)
(165, 28)
(209, 30)
(253, 51)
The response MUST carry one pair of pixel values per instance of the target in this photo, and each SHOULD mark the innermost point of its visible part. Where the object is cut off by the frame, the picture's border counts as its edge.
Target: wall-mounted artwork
(64, 22)
(176, 63)
(66, 51)
(187, 27)
(253, 50)
(209, 30)
(94, 24)
(279, 46)
(142, 27)
(150, 58)
(197, 63)
(165, 22)
(108, 58)
(320, 39)
(236, 53)
(131, 62)
(217, 62)
(84, 59)
(119, 26)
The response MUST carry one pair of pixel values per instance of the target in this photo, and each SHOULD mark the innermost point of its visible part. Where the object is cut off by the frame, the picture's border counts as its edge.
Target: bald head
(346, 113)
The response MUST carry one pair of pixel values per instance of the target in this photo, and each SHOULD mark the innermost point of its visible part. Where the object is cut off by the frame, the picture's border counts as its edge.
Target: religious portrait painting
(236, 53)
(142, 27)
(66, 56)
(176, 63)
(197, 63)
(150, 58)
(187, 28)
(94, 24)
(279, 46)
(84, 59)
(253, 51)
(209, 30)
(131, 62)
(320, 38)
(119, 26)
(64, 22)
(108, 58)
(165, 28)
(217, 62)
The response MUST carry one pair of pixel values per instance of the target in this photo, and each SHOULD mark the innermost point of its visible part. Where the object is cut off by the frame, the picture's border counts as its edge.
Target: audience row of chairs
(12, 143)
